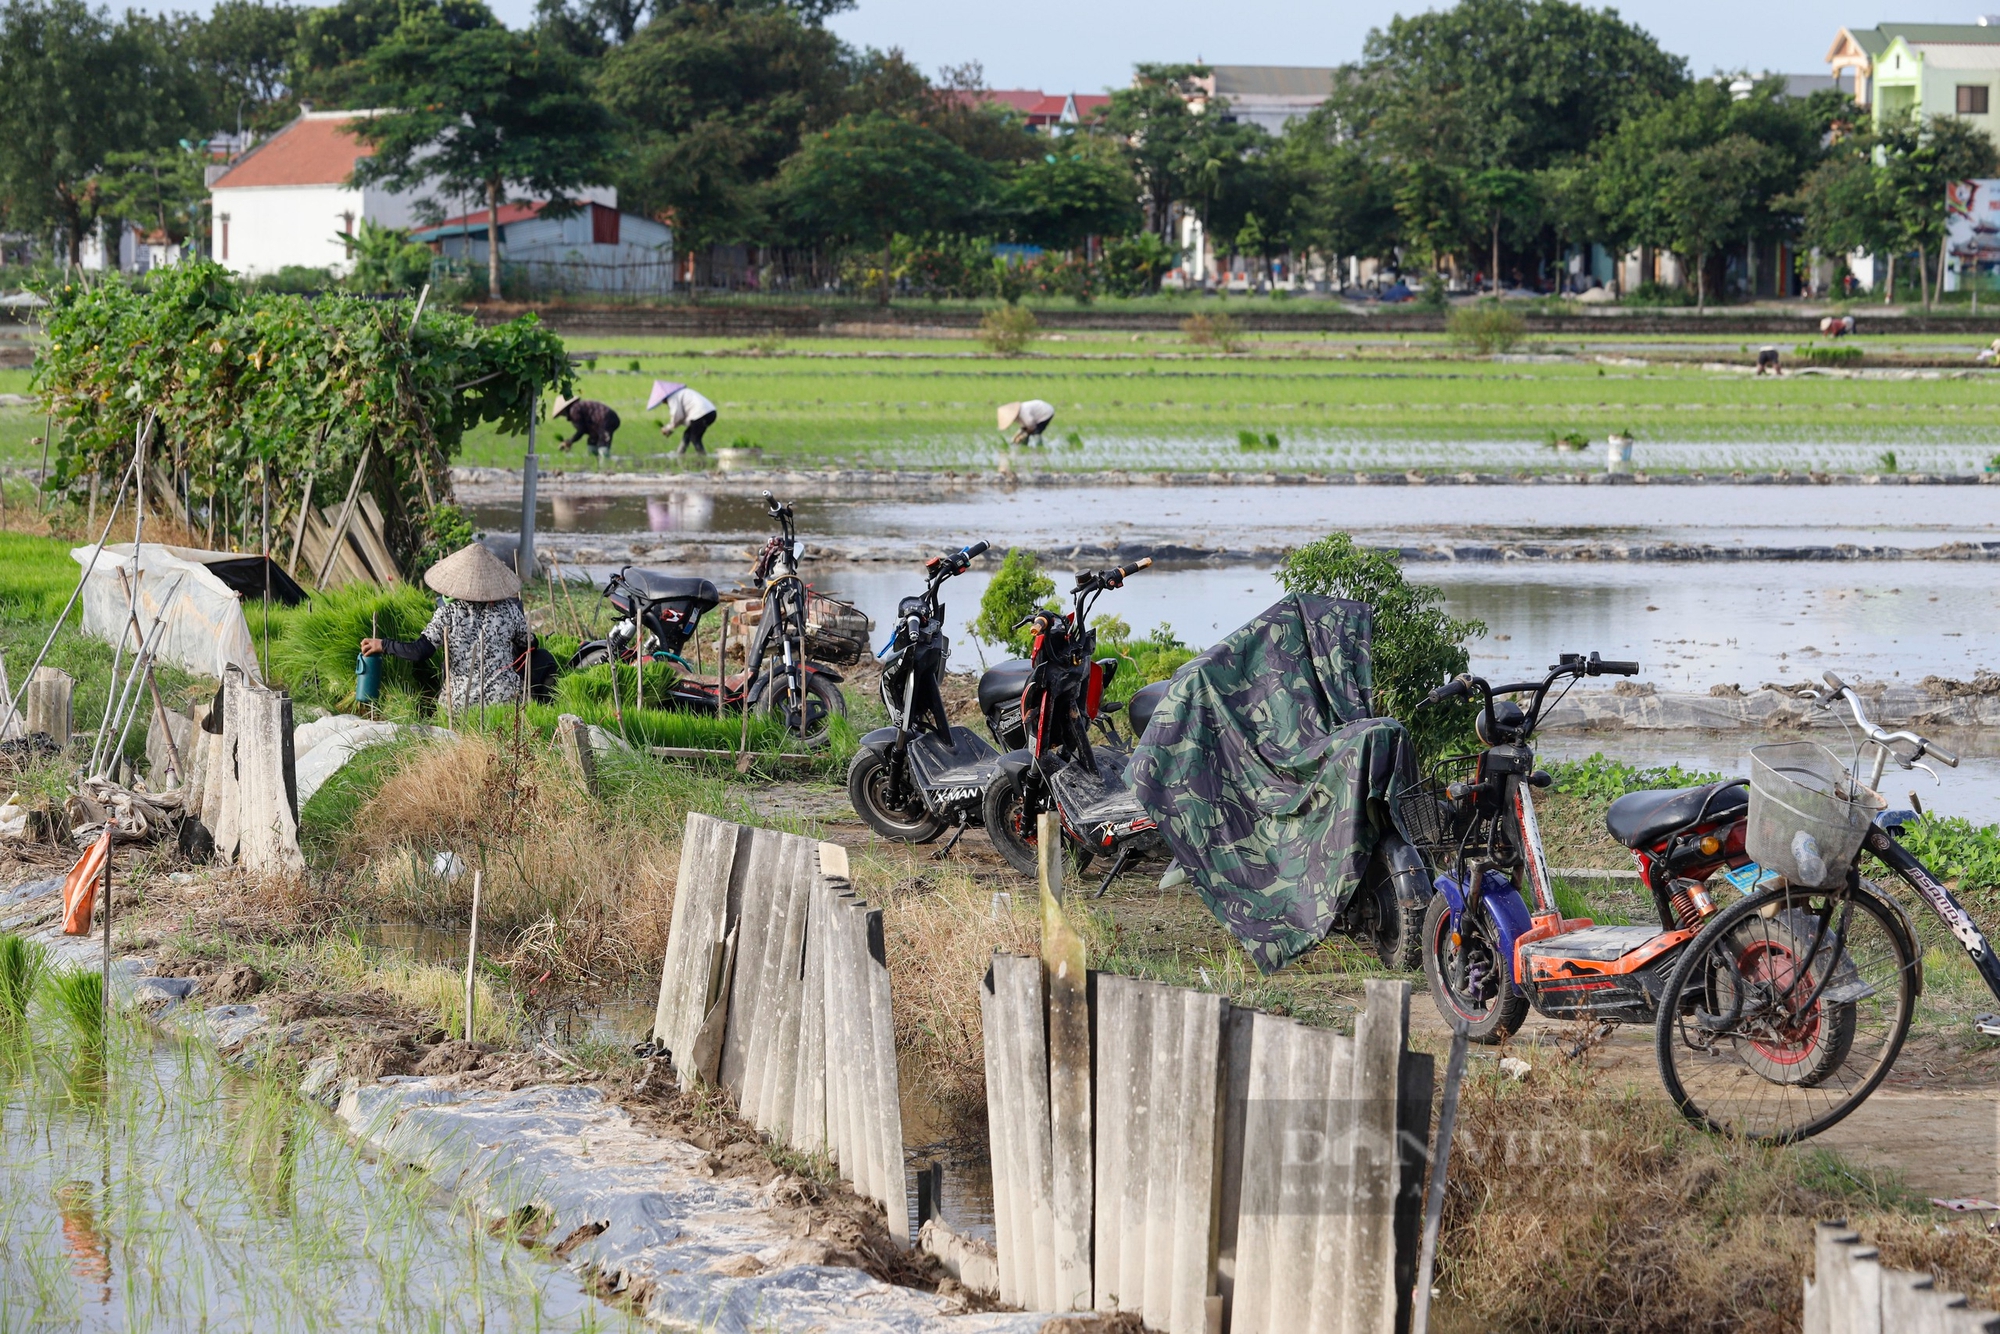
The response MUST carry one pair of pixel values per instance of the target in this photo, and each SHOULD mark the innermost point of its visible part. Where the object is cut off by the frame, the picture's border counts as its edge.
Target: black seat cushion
(1639, 819)
(1003, 683)
(1144, 701)
(660, 586)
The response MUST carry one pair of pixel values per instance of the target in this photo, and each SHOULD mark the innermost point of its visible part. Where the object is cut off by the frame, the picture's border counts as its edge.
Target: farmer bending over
(480, 626)
(1032, 416)
(590, 418)
(684, 408)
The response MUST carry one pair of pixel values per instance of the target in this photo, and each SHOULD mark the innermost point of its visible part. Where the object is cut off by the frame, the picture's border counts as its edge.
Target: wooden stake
(471, 955)
(346, 515)
(1454, 1075)
(110, 847)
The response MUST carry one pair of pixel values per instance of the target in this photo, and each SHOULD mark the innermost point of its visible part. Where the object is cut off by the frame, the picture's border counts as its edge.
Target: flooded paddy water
(165, 1191)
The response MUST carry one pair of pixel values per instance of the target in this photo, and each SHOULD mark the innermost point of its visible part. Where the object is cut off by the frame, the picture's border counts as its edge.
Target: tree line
(1495, 136)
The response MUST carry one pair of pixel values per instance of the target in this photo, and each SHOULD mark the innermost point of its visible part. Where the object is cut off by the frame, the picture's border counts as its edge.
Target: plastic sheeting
(205, 631)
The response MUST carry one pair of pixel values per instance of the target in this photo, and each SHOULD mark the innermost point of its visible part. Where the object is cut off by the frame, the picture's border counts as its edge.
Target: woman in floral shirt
(480, 627)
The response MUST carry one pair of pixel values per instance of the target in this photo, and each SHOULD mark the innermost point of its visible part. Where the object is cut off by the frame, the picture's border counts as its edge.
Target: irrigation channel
(156, 1187)
(1704, 584)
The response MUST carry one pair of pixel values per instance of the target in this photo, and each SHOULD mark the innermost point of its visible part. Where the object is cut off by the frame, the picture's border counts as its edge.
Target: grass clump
(23, 965)
(1216, 331)
(1006, 330)
(1250, 441)
(1486, 327)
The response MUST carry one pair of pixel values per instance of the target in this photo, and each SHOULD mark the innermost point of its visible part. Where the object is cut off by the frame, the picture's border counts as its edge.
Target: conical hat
(662, 391)
(561, 405)
(1009, 414)
(473, 574)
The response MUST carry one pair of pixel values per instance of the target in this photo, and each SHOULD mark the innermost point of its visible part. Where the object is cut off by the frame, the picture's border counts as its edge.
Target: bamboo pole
(346, 515)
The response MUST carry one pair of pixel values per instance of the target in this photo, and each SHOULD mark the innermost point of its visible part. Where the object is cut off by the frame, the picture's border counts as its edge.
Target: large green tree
(162, 187)
(75, 88)
(1917, 160)
(482, 110)
(241, 55)
(1079, 188)
(870, 177)
(711, 100)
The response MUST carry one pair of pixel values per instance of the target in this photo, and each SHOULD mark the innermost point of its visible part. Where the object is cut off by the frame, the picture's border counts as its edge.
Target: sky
(1064, 46)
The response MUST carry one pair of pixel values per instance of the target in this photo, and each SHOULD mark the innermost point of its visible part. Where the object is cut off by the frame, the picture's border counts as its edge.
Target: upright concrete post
(1068, 1076)
(47, 704)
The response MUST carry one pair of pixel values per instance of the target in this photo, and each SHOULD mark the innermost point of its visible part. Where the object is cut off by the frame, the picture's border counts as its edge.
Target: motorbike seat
(1640, 819)
(659, 586)
(1003, 683)
(1145, 700)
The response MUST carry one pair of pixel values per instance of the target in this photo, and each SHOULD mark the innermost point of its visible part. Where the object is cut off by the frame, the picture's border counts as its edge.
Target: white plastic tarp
(205, 631)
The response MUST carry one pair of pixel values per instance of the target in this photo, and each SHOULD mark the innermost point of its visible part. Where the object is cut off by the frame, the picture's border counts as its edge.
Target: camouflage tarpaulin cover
(1268, 778)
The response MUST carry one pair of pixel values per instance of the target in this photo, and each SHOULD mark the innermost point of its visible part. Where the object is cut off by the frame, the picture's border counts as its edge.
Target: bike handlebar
(1570, 664)
(1882, 736)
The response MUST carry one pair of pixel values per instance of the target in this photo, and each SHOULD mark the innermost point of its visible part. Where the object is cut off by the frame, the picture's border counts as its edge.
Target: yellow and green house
(1950, 69)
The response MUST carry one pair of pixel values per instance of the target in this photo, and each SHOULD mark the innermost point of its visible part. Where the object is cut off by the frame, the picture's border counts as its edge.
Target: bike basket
(836, 632)
(1433, 823)
(1808, 814)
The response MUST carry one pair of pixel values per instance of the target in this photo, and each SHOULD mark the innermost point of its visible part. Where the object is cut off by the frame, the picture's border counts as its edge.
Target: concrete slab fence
(776, 988)
(242, 779)
(1243, 1173)
(1851, 1292)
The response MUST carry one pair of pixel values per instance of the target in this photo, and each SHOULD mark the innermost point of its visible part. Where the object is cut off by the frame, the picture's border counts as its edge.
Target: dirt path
(1936, 1126)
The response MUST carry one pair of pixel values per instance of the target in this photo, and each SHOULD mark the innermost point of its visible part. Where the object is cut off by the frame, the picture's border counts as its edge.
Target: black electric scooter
(913, 778)
(1058, 769)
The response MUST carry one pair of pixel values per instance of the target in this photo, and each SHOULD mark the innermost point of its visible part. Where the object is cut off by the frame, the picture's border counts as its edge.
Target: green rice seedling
(1074, 440)
(22, 965)
(1886, 461)
(315, 655)
(634, 365)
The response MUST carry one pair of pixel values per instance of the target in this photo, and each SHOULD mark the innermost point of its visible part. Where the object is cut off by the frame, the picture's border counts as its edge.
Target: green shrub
(1601, 779)
(1005, 330)
(1966, 855)
(1656, 294)
(1141, 662)
(1217, 331)
(1418, 645)
(1485, 327)
(1019, 587)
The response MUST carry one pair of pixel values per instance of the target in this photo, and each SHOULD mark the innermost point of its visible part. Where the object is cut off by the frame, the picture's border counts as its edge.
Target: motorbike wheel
(1013, 836)
(870, 780)
(823, 702)
(1490, 1005)
(1394, 927)
(596, 657)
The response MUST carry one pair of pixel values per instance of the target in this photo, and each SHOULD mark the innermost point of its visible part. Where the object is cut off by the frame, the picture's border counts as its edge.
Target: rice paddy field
(1156, 401)
(1153, 401)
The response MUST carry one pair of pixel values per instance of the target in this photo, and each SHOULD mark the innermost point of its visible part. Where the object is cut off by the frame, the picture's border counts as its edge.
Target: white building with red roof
(291, 201)
(1044, 113)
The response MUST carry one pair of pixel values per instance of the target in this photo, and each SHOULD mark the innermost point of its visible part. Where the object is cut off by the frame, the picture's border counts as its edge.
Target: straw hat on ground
(473, 574)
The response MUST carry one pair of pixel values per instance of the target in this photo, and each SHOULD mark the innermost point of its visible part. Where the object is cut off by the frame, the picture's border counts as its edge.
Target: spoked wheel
(1012, 829)
(892, 809)
(810, 717)
(1786, 1012)
(1469, 976)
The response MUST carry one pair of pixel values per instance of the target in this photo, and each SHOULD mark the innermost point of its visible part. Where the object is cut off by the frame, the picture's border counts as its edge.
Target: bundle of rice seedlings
(315, 654)
(78, 1000)
(23, 963)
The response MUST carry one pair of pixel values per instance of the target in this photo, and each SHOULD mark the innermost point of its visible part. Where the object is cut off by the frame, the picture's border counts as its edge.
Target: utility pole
(524, 555)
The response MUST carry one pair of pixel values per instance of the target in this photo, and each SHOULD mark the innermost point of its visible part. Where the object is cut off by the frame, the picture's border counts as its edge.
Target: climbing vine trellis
(304, 387)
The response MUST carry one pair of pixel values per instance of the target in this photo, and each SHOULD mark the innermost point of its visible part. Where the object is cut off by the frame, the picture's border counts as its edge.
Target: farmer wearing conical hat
(591, 419)
(480, 627)
(1031, 416)
(684, 408)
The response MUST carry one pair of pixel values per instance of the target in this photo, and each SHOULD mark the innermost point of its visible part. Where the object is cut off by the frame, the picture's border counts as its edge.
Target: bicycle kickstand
(1116, 868)
(951, 842)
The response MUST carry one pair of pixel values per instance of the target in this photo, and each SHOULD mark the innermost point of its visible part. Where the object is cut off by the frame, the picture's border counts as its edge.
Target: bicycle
(1791, 1005)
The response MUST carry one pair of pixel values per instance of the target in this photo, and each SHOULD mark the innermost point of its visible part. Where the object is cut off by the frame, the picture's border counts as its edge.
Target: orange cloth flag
(80, 887)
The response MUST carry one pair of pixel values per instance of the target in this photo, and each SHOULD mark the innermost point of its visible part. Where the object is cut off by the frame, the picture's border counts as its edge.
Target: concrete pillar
(46, 702)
